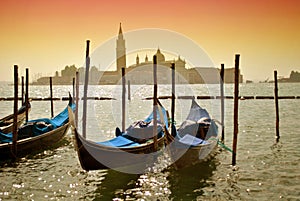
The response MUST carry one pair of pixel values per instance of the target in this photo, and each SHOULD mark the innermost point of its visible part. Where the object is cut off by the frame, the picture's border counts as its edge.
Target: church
(142, 71)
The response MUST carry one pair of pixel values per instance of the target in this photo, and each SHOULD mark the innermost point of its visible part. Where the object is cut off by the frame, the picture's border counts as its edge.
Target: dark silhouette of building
(142, 71)
(120, 51)
(229, 75)
(66, 78)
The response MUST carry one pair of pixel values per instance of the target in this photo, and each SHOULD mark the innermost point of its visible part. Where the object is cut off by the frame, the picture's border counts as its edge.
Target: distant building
(66, 77)
(142, 71)
(229, 75)
(294, 77)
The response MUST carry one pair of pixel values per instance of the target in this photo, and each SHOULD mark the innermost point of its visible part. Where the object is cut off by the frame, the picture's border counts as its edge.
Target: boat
(36, 135)
(131, 151)
(195, 140)
(6, 123)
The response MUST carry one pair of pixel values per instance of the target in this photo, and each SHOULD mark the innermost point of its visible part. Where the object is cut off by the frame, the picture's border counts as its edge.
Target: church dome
(159, 56)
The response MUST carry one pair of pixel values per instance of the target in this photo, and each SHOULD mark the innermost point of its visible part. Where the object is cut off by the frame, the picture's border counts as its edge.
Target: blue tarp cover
(139, 131)
(191, 140)
(119, 141)
(197, 118)
(38, 126)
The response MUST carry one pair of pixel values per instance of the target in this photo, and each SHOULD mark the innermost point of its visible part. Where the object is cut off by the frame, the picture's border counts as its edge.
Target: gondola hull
(195, 140)
(93, 156)
(33, 145)
(9, 128)
(183, 156)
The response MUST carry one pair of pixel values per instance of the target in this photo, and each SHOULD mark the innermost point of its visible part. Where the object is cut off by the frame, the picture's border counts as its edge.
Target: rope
(222, 145)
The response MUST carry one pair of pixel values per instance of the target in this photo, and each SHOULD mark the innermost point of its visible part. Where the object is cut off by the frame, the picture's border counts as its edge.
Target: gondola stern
(87, 161)
(71, 117)
(78, 147)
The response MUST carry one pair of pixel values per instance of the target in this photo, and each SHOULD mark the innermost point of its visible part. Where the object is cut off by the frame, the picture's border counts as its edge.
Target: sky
(45, 36)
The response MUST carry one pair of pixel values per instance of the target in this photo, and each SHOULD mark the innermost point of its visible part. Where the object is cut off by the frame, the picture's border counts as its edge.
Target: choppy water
(264, 171)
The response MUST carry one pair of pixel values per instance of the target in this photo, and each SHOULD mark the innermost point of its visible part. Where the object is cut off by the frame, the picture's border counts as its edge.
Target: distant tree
(295, 76)
(69, 71)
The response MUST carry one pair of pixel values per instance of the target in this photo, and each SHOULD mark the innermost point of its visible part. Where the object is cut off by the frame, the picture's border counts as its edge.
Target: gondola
(132, 151)
(36, 135)
(195, 140)
(6, 123)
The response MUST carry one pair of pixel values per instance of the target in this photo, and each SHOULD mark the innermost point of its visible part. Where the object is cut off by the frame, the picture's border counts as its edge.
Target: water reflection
(188, 183)
(108, 185)
(166, 184)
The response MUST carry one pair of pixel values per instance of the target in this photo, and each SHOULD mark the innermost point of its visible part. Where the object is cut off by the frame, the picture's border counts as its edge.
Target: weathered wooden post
(86, 82)
(15, 122)
(276, 106)
(51, 98)
(22, 93)
(173, 129)
(222, 101)
(27, 93)
(77, 98)
(73, 85)
(123, 99)
(155, 102)
(129, 93)
(236, 104)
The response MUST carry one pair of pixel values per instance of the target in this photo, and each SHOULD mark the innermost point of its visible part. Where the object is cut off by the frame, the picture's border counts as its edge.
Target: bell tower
(121, 51)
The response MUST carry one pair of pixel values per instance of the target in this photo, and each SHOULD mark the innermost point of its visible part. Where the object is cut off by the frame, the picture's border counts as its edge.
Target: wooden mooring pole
(276, 106)
(15, 122)
(236, 104)
(22, 92)
(123, 99)
(129, 93)
(173, 129)
(155, 102)
(222, 101)
(76, 98)
(86, 83)
(73, 85)
(27, 93)
(51, 98)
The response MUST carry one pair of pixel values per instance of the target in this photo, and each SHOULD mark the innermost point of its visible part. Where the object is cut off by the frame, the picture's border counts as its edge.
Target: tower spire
(120, 36)
(120, 51)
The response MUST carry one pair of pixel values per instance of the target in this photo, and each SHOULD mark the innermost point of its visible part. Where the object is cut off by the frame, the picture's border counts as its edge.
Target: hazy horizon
(46, 36)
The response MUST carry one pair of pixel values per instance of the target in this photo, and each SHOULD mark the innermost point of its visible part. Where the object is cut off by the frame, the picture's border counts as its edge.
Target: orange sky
(48, 35)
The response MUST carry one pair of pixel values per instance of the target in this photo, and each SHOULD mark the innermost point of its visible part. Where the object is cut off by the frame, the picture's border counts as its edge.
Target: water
(264, 171)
